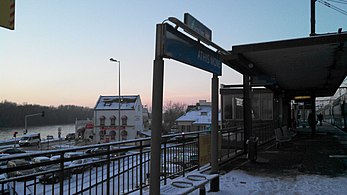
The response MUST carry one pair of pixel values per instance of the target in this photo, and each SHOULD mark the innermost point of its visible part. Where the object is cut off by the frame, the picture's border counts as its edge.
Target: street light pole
(30, 115)
(113, 60)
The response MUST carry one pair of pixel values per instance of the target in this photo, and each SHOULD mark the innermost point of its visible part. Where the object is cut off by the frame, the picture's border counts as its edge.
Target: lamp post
(113, 60)
(30, 115)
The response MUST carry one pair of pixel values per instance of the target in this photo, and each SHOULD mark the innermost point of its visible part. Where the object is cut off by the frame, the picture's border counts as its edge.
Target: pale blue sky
(59, 51)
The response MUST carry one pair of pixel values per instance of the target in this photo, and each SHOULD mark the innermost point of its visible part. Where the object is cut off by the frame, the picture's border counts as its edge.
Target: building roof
(314, 66)
(127, 102)
(201, 115)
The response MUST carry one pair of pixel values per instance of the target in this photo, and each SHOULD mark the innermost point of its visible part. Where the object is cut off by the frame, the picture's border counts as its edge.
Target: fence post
(61, 178)
(108, 169)
(141, 174)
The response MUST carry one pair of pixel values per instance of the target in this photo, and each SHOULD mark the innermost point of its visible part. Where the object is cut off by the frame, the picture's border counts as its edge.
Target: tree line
(13, 114)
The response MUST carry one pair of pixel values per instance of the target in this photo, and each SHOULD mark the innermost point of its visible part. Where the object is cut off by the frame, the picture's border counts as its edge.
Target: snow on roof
(112, 102)
(201, 115)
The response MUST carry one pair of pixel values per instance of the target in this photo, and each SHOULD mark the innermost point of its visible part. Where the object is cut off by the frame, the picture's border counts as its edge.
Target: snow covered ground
(240, 182)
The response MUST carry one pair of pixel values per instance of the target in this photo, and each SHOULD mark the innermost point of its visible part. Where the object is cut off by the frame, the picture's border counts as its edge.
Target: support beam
(157, 108)
(247, 113)
(214, 134)
(313, 111)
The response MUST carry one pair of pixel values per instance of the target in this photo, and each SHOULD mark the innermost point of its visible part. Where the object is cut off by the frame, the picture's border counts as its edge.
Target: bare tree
(172, 111)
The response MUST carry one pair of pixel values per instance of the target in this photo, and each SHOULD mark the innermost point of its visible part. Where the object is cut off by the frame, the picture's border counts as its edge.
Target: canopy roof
(314, 66)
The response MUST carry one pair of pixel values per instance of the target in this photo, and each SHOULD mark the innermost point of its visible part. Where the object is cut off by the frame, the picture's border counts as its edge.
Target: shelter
(296, 69)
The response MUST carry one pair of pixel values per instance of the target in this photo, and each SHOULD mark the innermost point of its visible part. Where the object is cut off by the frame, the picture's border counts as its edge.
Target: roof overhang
(314, 66)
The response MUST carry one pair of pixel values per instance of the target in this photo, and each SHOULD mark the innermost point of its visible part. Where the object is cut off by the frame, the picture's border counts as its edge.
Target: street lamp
(113, 60)
(30, 115)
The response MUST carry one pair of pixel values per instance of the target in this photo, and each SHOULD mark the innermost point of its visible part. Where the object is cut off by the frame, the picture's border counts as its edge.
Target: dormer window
(203, 113)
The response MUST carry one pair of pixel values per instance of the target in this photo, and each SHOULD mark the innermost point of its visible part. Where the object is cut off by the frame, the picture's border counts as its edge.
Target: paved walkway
(324, 154)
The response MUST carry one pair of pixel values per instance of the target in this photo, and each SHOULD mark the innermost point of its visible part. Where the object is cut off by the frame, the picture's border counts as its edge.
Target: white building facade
(109, 126)
(198, 118)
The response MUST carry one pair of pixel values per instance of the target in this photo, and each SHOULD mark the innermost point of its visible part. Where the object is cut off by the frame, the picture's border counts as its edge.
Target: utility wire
(332, 7)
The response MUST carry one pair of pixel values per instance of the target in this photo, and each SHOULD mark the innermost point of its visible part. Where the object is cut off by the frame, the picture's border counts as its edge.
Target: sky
(59, 52)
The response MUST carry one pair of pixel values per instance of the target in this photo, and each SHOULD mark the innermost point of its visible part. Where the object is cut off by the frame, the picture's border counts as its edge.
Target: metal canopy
(314, 66)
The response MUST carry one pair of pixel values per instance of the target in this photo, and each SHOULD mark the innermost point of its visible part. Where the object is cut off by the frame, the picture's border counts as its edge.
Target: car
(30, 139)
(3, 163)
(73, 154)
(57, 157)
(70, 136)
(11, 151)
(53, 177)
(40, 159)
(4, 188)
(170, 169)
(79, 166)
(186, 160)
(18, 163)
(97, 152)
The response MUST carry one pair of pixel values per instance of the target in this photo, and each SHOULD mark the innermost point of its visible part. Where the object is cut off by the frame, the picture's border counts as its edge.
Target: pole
(119, 102)
(313, 18)
(214, 135)
(157, 104)
(247, 113)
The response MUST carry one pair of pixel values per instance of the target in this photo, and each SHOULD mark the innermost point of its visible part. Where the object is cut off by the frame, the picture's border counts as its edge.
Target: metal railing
(111, 168)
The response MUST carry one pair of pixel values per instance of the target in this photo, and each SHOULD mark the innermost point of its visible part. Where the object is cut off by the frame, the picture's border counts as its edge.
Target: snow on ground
(240, 182)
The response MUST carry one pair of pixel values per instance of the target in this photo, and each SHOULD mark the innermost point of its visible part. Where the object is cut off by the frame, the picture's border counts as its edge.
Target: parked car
(11, 151)
(97, 151)
(186, 159)
(40, 159)
(73, 154)
(3, 163)
(70, 136)
(4, 188)
(79, 166)
(57, 157)
(30, 139)
(53, 177)
(18, 163)
(170, 169)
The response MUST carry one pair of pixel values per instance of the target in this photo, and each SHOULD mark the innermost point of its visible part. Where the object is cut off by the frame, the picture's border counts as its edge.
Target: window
(124, 120)
(113, 120)
(113, 135)
(102, 121)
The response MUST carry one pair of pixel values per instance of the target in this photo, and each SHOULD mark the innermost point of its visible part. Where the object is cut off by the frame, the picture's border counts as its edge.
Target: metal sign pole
(214, 134)
(157, 108)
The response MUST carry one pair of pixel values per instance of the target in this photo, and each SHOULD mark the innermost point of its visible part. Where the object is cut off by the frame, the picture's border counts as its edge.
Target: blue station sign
(197, 26)
(180, 47)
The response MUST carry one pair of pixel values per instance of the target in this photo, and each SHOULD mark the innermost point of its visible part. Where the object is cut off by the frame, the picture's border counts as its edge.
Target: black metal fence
(112, 168)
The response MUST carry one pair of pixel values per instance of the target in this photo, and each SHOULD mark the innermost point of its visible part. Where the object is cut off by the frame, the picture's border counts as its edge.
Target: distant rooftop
(112, 102)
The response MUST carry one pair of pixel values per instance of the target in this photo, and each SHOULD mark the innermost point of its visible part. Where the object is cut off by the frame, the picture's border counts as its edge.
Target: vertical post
(61, 178)
(214, 134)
(119, 103)
(157, 104)
(108, 169)
(247, 113)
(313, 18)
(313, 111)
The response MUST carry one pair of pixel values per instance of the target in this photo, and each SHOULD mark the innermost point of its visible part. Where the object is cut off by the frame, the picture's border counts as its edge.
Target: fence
(112, 168)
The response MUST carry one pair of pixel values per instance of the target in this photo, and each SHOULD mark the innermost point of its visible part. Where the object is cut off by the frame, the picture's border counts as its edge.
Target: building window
(113, 120)
(124, 120)
(102, 121)
(113, 135)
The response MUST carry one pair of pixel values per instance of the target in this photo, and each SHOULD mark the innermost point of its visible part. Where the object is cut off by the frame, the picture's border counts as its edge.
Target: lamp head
(113, 60)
